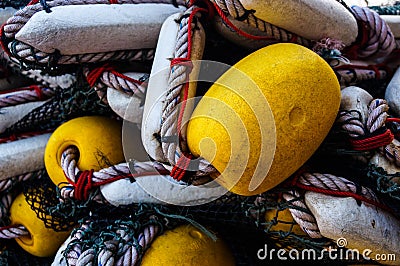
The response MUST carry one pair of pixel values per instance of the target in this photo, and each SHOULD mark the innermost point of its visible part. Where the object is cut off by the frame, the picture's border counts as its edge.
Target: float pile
(108, 157)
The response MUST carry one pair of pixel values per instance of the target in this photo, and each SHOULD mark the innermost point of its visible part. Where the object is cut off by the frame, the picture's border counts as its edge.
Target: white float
(22, 156)
(81, 29)
(364, 226)
(311, 19)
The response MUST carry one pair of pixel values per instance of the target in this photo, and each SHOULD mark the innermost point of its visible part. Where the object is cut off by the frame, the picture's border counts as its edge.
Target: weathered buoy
(128, 107)
(392, 93)
(159, 97)
(22, 156)
(187, 246)
(76, 29)
(97, 138)
(314, 20)
(362, 226)
(284, 91)
(41, 241)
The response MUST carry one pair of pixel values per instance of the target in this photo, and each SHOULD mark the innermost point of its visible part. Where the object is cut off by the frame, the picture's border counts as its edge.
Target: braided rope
(326, 183)
(131, 254)
(351, 122)
(106, 175)
(170, 124)
(301, 214)
(25, 95)
(28, 54)
(335, 183)
(22, 16)
(351, 74)
(112, 253)
(376, 120)
(15, 231)
(236, 10)
(380, 41)
(12, 181)
(110, 78)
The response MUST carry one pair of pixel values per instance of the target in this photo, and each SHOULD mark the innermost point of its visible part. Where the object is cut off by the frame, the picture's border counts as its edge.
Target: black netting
(387, 10)
(41, 195)
(14, 3)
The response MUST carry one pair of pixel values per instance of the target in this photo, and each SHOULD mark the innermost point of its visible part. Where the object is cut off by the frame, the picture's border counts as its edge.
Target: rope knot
(183, 62)
(381, 138)
(83, 185)
(181, 167)
(94, 74)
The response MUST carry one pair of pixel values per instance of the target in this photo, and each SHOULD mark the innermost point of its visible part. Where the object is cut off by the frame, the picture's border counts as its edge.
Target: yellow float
(95, 137)
(41, 241)
(187, 246)
(264, 117)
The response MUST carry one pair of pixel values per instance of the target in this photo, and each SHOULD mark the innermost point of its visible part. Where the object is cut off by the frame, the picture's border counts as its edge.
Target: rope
(172, 114)
(234, 9)
(9, 183)
(82, 182)
(14, 231)
(5, 204)
(375, 37)
(329, 185)
(301, 214)
(353, 74)
(338, 186)
(27, 55)
(116, 80)
(24, 95)
(372, 135)
(123, 249)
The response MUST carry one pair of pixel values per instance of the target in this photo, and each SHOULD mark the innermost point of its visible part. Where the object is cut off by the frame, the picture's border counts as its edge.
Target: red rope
(96, 73)
(393, 119)
(372, 142)
(181, 166)
(345, 194)
(38, 91)
(85, 184)
(239, 31)
(118, 74)
(113, 1)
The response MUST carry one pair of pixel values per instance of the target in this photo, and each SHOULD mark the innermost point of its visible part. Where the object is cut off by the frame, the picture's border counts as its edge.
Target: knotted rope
(82, 182)
(110, 78)
(24, 95)
(373, 134)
